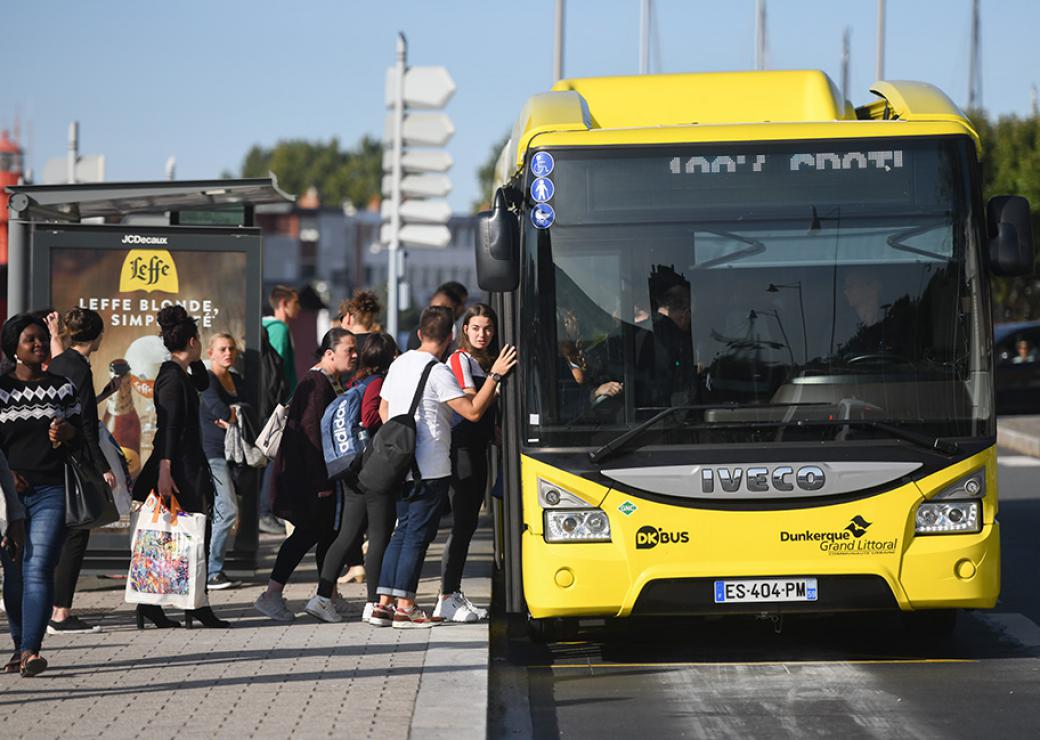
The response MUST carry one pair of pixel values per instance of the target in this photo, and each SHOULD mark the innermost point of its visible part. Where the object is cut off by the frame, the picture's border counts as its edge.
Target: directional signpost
(415, 211)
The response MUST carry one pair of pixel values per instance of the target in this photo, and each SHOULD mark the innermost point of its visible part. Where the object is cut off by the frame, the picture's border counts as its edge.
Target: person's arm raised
(471, 409)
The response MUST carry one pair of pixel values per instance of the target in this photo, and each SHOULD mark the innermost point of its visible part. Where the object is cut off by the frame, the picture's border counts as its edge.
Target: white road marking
(1017, 627)
(1019, 461)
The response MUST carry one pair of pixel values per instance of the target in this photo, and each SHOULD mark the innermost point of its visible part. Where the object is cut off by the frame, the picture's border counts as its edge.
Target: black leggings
(316, 532)
(469, 474)
(378, 512)
(66, 573)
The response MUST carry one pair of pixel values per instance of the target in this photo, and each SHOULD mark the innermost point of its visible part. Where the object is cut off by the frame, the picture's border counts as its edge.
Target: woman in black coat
(177, 466)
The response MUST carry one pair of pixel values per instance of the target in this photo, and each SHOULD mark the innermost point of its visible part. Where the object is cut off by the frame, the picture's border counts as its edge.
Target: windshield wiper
(601, 453)
(926, 441)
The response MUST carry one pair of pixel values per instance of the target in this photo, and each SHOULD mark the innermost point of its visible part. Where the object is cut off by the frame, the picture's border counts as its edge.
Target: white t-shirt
(433, 419)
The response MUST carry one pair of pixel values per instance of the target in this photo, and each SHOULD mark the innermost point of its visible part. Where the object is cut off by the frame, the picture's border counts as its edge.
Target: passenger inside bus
(878, 335)
(584, 376)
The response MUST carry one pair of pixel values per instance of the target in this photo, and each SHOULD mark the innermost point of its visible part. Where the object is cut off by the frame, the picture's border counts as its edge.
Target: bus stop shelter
(126, 250)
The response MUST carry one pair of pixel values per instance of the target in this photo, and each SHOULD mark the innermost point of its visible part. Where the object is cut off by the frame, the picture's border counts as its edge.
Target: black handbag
(88, 499)
(390, 454)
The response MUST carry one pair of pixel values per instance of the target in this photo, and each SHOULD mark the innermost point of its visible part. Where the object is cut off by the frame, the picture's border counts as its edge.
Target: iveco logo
(138, 239)
(762, 479)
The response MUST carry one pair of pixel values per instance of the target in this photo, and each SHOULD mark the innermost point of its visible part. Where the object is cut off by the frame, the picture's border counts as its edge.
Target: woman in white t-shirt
(470, 444)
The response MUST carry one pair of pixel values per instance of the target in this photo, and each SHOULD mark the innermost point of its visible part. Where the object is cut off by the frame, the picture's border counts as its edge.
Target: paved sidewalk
(1019, 433)
(261, 678)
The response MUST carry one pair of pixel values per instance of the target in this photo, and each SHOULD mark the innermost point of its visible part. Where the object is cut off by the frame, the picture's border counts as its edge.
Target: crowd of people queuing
(448, 380)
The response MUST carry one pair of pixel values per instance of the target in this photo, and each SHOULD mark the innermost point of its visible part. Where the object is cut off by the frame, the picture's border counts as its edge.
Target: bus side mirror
(498, 247)
(1010, 236)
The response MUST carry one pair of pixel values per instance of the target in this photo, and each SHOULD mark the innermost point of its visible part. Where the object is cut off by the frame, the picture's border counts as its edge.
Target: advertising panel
(127, 274)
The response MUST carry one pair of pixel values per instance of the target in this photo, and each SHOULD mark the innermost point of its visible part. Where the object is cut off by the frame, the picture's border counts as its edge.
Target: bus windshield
(758, 284)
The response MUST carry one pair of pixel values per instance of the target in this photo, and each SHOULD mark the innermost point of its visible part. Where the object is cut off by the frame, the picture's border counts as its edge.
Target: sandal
(14, 665)
(32, 665)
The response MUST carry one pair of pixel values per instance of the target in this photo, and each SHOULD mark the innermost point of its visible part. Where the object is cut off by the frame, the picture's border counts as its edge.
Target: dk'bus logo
(648, 537)
(149, 270)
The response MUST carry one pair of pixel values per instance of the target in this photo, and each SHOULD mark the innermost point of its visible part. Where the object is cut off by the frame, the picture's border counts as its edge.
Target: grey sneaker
(321, 607)
(271, 524)
(273, 606)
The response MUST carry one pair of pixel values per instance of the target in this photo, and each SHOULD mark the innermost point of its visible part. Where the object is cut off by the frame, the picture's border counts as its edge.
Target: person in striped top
(470, 446)
(39, 422)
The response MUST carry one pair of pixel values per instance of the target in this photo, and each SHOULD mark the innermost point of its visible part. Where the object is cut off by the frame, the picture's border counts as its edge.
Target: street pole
(17, 254)
(760, 35)
(644, 37)
(72, 155)
(879, 73)
(393, 281)
(558, 44)
(845, 54)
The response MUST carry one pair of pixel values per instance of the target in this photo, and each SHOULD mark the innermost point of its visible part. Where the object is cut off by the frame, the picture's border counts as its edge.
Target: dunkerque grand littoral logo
(149, 270)
(858, 526)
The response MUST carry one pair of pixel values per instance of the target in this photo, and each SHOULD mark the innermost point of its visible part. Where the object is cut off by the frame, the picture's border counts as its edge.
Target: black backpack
(391, 451)
(274, 388)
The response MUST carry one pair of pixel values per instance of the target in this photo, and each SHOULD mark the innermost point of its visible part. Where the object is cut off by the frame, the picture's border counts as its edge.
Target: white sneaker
(457, 608)
(366, 614)
(273, 605)
(320, 607)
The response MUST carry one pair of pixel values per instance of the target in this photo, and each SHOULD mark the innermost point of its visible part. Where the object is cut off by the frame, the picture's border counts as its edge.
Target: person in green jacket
(286, 305)
(285, 302)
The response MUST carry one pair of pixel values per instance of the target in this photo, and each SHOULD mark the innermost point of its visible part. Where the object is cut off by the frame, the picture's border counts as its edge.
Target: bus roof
(717, 99)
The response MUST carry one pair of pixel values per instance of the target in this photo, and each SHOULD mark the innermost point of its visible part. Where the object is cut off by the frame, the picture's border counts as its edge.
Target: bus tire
(931, 623)
(554, 629)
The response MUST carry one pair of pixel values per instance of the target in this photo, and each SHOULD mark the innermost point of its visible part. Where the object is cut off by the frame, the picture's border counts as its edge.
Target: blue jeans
(417, 519)
(29, 582)
(225, 511)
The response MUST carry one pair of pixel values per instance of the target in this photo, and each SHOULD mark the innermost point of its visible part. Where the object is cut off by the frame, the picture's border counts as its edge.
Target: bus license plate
(765, 590)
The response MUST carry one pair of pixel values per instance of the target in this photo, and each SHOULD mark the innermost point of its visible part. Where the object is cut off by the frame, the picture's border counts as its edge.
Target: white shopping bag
(116, 461)
(167, 557)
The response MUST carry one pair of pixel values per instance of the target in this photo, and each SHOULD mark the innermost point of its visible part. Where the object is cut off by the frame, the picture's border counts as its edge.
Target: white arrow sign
(421, 211)
(421, 129)
(420, 160)
(424, 87)
(420, 186)
(419, 235)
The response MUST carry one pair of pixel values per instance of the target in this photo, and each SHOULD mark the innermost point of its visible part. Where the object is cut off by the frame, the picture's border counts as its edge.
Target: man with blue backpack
(347, 424)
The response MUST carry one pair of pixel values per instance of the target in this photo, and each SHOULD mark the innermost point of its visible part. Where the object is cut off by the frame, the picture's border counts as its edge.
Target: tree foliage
(1011, 166)
(339, 175)
(486, 176)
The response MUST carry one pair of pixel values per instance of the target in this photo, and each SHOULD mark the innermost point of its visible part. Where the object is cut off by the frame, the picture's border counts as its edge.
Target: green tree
(354, 174)
(1011, 166)
(486, 176)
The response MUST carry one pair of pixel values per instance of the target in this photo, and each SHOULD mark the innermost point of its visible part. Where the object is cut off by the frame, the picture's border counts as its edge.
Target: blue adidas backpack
(342, 436)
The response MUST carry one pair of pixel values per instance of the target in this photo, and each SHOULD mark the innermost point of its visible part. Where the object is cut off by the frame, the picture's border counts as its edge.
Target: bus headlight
(586, 525)
(949, 517)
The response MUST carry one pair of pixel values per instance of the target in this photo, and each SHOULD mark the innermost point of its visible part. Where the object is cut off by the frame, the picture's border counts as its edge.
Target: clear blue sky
(206, 80)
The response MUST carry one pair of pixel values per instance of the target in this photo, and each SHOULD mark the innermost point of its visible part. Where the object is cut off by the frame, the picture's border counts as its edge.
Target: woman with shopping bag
(39, 422)
(177, 468)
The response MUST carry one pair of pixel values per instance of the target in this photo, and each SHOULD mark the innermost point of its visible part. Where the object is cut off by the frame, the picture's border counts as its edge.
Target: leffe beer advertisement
(127, 275)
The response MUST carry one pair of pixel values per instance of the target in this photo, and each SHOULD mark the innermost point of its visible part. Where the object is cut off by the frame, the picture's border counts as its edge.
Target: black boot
(205, 617)
(155, 615)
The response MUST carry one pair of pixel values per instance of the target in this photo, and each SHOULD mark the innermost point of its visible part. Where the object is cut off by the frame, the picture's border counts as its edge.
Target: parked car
(1016, 360)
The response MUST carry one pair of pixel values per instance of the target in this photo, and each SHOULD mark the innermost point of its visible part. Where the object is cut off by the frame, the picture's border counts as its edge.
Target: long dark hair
(484, 357)
(377, 353)
(331, 340)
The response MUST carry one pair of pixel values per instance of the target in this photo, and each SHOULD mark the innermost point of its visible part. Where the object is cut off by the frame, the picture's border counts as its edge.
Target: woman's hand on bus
(506, 360)
(610, 389)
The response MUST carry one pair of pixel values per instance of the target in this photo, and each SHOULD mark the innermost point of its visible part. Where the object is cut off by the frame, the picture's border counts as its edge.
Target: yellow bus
(755, 338)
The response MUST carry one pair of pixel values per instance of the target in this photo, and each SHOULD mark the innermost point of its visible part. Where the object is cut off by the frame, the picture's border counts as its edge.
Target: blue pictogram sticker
(542, 216)
(542, 164)
(542, 190)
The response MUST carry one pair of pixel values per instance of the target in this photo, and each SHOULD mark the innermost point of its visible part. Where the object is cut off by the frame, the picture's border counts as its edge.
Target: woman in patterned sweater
(39, 421)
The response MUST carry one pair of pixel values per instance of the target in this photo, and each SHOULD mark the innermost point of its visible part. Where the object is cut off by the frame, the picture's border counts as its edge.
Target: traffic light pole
(393, 281)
